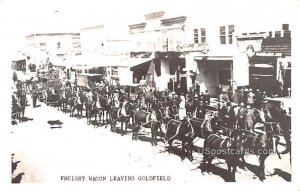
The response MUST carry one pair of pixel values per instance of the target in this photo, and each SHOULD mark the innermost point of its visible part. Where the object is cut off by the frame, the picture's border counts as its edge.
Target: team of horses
(160, 115)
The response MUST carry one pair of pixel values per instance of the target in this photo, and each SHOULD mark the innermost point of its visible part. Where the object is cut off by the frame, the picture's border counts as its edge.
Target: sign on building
(241, 69)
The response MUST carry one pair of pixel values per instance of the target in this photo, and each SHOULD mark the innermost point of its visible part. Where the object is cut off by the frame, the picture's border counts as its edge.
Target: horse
(247, 118)
(261, 143)
(149, 98)
(282, 121)
(120, 115)
(23, 102)
(92, 109)
(76, 103)
(44, 96)
(173, 111)
(190, 108)
(105, 107)
(65, 95)
(16, 110)
(148, 120)
(224, 147)
(179, 130)
(176, 130)
(53, 98)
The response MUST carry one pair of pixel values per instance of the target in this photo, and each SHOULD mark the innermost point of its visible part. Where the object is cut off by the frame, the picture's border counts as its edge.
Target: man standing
(197, 89)
(34, 98)
(224, 97)
(249, 119)
(219, 90)
(250, 98)
(258, 99)
(143, 81)
(75, 84)
(207, 97)
(240, 117)
(202, 97)
(178, 90)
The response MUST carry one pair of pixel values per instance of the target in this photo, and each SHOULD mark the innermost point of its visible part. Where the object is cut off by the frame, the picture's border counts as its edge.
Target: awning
(137, 61)
(213, 58)
(261, 66)
(262, 75)
(79, 67)
(84, 67)
(90, 75)
(140, 66)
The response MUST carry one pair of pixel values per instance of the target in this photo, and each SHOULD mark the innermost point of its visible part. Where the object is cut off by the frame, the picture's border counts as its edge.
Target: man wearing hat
(122, 98)
(258, 99)
(190, 93)
(197, 88)
(207, 97)
(195, 102)
(249, 118)
(245, 93)
(240, 116)
(202, 97)
(34, 98)
(250, 98)
(201, 110)
(222, 112)
(143, 81)
(224, 97)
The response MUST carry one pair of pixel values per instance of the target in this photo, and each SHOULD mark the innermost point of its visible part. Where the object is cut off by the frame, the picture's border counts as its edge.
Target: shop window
(277, 34)
(203, 35)
(164, 40)
(230, 32)
(287, 34)
(222, 35)
(224, 77)
(270, 34)
(58, 45)
(285, 27)
(196, 37)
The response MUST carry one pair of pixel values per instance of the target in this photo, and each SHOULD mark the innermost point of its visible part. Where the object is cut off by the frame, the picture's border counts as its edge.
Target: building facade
(41, 46)
(106, 47)
(269, 56)
(157, 40)
(236, 56)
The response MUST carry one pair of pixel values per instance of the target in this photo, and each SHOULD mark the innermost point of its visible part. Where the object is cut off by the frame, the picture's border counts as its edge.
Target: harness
(177, 130)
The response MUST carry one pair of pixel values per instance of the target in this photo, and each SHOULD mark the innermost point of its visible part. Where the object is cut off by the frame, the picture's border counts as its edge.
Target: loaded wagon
(83, 80)
(132, 91)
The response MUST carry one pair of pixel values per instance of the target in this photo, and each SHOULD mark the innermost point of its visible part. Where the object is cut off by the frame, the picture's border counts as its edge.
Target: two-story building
(52, 49)
(41, 46)
(156, 42)
(105, 49)
(220, 53)
(269, 57)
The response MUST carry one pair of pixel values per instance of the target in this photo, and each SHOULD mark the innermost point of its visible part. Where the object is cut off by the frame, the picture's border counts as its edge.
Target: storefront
(269, 60)
(208, 67)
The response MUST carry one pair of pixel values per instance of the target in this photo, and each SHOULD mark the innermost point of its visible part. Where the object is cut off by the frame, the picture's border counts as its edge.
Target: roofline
(50, 34)
(93, 27)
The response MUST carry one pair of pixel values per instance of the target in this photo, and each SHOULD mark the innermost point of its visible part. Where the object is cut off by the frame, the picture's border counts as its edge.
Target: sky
(22, 17)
